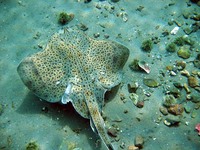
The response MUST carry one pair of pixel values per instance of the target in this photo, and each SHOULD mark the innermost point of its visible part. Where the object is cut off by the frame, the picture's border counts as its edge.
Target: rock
(163, 110)
(174, 91)
(195, 97)
(178, 85)
(186, 14)
(194, 113)
(169, 100)
(176, 109)
(144, 66)
(187, 30)
(132, 147)
(134, 97)
(184, 52)
(139, 141)
(188, 107)
(140, 104)
(132, 87)
(112, 132)
(186, 88)
(185, 73)
(181, 65)
(172, 120)
(150, 82)
(192, 81)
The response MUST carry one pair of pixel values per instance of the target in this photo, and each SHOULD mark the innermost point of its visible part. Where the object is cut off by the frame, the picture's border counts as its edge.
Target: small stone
(186, 14)
(139, 141)
(181, 65)
(195, 97)
(163, 110)
(140, 104)
(193, 81)
(144, 66)
(194, 113)
(178, 85)
(132, 87)
(184, 52)
(185, 73)
(172, 73)
(133, 147)
(112, 132)
(122, 145)
(150, 82)
(172, 120)
(96, 35)
(169, 100)
(176, 109)
(188, 107)
(188, 30)
(134, 97)
(106, 36)
(186, 88)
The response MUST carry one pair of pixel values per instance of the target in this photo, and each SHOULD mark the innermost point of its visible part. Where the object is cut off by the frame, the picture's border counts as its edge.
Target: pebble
(140, 104)
(176, 109)
(172, 120)
(184, 52)
(134, 97)
(139, 141)
(132, 87)
(186, 88)
(188, 107)
(193, 81)
(169, 100)
(96, 35)
(185, 73)
(151, 82)
(112, 132)
(194, 113)
(175, 30)
(163, 110)
(133, 147)
(172, 73)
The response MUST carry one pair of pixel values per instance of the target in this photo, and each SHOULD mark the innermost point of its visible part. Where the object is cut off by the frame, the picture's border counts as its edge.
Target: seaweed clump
(147, 45)
(32, 146)
(171, 47)
(182, 40)
(65, 18)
